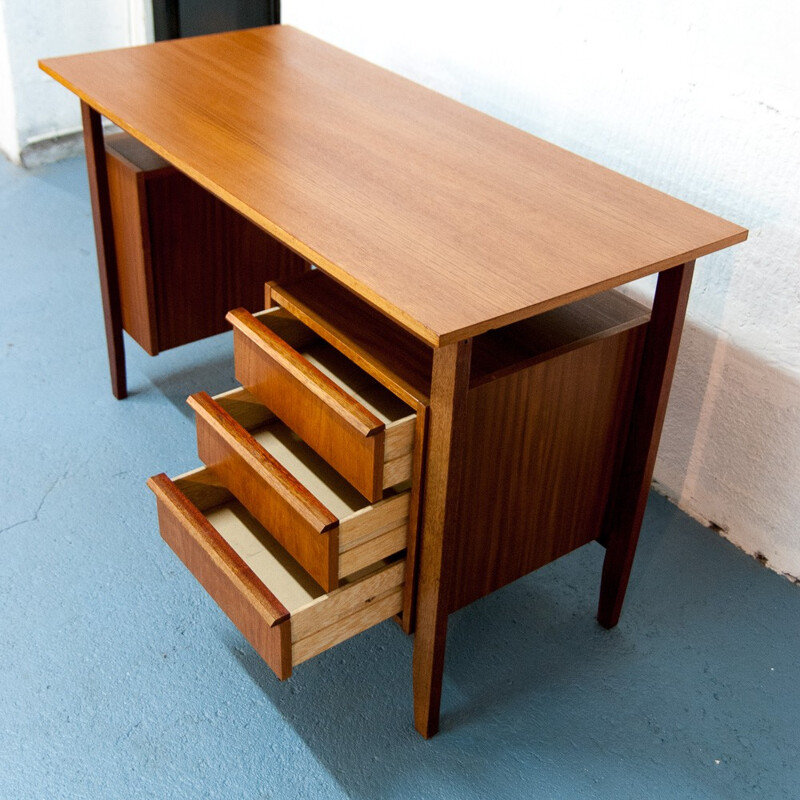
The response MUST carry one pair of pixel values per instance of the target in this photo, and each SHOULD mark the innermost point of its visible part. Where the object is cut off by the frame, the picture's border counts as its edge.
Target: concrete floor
(119, 678)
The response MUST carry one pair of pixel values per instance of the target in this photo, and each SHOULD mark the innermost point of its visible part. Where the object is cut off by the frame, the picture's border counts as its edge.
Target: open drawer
(266, 594)
(357, 425)
(307, 506)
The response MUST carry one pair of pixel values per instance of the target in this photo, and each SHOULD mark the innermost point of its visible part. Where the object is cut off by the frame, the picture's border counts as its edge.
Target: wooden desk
(448, 225)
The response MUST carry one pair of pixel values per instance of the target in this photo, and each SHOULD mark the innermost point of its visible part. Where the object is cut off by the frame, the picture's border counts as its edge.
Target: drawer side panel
(380, 609)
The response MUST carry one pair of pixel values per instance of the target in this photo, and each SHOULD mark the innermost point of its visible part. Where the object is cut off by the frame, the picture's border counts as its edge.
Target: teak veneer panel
(364, 431)
(183, 257)
(447, 429)
(531, 341)
(449, 221)
(320, 411)
(625, 510)
(136, 156)
(128, 199)
(542, 449)
(399, 360)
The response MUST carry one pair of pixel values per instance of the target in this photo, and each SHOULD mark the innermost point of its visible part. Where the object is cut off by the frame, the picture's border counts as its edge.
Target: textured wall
(698, 99)
(34, 107)
(8, 127)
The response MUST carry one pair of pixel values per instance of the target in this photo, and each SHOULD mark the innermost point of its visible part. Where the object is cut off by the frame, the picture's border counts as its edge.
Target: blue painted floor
(119, 678)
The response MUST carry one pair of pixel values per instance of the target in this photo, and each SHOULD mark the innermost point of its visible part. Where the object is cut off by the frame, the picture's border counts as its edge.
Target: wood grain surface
(349, 599)
(625, 510)
(104, 244)
(449, 221)
(442, 494)
(282, 636)
(400, 361)
(408, 616)
(531, 341)
(128, 198)
(286, 496)
(542, 449)
(183, 257)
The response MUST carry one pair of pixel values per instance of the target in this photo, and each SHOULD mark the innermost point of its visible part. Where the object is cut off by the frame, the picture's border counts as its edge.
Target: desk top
(449, 221)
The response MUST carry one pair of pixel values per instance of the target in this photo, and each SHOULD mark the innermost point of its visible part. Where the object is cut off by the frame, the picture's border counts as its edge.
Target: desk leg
(447, 428)
(626, 508)
(104, 241)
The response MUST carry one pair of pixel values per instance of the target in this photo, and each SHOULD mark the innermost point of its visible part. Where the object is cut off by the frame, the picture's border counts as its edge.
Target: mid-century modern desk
(455, 396)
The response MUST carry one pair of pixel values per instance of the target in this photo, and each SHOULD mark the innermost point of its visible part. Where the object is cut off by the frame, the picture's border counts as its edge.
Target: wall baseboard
(56, 148)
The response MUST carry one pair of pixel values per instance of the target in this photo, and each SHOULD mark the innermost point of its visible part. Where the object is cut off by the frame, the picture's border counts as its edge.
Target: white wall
(699, 98)
(34, 107)
(9, 142)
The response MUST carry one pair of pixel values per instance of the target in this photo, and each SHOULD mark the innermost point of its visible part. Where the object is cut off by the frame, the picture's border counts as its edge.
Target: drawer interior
(271, 564)
(258, 549)
(380, 401)
(310, 509)
(375, 397)
(250, 540)
(265, 592)
(310, 469)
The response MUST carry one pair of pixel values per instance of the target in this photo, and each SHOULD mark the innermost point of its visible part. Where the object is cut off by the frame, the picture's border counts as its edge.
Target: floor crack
(35, 518)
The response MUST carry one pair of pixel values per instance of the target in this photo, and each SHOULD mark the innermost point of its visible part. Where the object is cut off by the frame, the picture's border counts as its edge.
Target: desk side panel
(132, 245)
(543, 447)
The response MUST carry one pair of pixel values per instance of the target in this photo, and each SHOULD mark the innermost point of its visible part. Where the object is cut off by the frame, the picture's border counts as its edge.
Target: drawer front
(322, 412)
(301, 523)
(284, 634)
(249, 604)
(327, 526)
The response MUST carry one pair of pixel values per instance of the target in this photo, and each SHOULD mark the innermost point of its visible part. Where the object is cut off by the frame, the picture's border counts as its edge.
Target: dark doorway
(174, 19)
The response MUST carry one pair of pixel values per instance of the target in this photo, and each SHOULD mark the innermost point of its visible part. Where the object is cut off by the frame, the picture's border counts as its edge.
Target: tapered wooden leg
(626, 508)
(447, 427)
(104, 241)
(408, 616)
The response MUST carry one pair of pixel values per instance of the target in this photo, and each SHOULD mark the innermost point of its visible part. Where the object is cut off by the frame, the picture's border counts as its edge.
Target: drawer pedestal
(324, 449)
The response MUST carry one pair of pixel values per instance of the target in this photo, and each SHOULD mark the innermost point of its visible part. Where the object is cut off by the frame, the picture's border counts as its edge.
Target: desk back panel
(184, 257)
